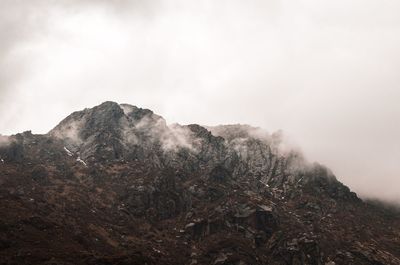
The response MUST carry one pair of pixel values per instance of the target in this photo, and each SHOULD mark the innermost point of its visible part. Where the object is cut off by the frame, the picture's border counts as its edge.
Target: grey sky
(325, 72)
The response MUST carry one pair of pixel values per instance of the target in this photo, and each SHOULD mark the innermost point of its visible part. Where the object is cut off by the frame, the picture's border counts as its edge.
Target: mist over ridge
(326, 74)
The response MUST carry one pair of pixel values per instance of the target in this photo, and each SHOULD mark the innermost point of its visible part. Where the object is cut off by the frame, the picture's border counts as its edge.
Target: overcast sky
(325, 72)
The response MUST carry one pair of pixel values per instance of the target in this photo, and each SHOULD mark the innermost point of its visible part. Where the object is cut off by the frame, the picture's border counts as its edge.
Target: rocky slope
(115, 184)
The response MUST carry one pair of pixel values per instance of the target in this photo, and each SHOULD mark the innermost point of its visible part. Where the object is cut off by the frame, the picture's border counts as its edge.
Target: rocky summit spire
(107, 131)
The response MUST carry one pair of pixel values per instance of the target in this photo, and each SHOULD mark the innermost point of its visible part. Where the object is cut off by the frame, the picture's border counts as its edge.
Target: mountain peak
(115, 178)
(112, 131)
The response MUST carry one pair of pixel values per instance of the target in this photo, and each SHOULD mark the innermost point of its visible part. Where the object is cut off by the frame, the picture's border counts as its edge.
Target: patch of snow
(81, 161)
(300, 180)
(156, 250)
(68, 151)
(266, 185)
(2, 160)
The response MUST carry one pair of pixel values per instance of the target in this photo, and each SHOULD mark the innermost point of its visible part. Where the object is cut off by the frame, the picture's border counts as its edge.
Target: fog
(326, 73)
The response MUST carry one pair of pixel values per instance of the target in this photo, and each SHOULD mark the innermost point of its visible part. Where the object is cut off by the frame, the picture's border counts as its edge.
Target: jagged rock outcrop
(115, 184)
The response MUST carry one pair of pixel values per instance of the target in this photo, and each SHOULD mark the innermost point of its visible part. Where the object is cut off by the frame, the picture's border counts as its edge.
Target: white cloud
(325, 72)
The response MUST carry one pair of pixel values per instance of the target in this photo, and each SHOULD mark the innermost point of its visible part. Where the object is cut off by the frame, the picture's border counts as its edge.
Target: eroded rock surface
(115, 184)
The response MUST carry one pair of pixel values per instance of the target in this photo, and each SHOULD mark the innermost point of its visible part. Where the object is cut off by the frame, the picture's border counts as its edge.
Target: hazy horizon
(325, 73)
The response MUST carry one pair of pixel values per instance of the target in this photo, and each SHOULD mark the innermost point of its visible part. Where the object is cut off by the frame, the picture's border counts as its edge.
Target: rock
(154, 193)
(40, 175)
(221, 259)
(260, 218)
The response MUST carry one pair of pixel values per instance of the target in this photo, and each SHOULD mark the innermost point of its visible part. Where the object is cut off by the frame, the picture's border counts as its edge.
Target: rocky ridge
(115, 184)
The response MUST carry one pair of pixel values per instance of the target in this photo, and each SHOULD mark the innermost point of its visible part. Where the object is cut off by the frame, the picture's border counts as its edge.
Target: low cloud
(238, 136)
(178, 137)
(171, 137)
(4, 141)
(246, 139)
(70, 132)
(326, 73)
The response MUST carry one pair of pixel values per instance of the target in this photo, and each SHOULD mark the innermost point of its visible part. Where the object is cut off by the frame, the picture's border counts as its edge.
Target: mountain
(115, 184)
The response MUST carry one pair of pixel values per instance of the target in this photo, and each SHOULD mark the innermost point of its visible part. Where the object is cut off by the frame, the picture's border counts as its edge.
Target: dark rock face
(115, 184)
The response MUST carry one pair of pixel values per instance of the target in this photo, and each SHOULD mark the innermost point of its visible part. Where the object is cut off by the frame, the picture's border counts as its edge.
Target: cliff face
(116, 185)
